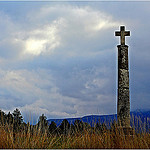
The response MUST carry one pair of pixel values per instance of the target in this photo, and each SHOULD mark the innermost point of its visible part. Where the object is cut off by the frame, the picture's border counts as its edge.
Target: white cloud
(45, 39)
(34, 92)
(34, 46)
(49, 31)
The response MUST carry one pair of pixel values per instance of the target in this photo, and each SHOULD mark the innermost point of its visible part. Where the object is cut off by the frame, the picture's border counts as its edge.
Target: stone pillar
(123, 103)
(123, 106)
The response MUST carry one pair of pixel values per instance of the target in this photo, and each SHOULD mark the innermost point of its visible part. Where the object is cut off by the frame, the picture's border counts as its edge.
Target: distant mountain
(143, 116)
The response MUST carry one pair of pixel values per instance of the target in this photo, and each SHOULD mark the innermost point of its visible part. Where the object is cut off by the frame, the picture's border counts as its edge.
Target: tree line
(15, 121)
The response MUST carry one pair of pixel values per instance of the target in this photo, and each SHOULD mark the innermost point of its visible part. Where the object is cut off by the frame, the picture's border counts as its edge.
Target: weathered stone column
(123, 106)
(123, 103)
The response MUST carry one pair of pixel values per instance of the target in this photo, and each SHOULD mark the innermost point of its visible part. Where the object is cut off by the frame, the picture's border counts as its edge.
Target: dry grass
(107, 139)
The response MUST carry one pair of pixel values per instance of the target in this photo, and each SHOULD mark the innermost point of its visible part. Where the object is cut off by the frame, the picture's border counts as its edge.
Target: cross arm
(117, 33)
(127, 33)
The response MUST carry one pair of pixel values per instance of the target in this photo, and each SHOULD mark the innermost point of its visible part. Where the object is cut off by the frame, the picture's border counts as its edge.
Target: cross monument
(123, 101)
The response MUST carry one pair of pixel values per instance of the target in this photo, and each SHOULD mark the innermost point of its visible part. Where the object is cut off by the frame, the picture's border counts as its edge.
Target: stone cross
(122, 33)
(123, 102)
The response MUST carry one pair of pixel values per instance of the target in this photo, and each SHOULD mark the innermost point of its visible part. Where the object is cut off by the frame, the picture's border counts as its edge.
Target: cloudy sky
(60, 58)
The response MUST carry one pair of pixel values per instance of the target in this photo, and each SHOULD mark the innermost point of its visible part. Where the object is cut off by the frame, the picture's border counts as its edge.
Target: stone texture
(123, 57)
(123, 108)
(123, 80)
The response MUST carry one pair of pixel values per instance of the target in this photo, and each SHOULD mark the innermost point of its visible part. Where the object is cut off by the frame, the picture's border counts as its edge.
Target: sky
(60, 58)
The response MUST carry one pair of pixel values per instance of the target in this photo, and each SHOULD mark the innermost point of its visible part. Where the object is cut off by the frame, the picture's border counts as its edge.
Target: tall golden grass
(35, 139)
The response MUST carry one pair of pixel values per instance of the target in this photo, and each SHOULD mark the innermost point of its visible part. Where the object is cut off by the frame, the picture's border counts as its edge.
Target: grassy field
(87, 139)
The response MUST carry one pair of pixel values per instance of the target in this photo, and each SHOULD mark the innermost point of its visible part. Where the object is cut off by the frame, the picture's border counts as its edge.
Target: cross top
(122, 33)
